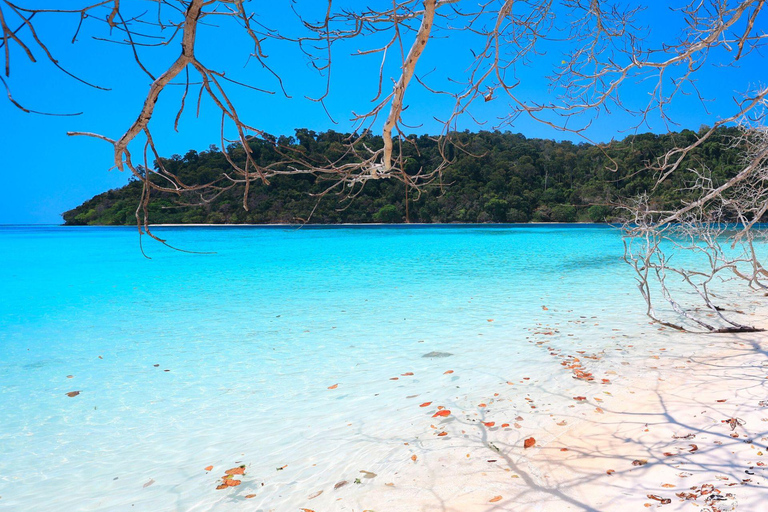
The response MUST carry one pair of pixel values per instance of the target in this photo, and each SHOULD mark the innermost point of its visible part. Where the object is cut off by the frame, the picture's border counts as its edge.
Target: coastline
(399, 224)
(657, 437)
(340, 224)
(675, 417)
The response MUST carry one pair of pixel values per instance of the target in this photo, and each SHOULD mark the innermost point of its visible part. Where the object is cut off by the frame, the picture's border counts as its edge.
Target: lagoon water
(226, 359)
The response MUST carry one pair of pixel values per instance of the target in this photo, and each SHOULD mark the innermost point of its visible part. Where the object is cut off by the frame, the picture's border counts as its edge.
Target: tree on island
(605, 58)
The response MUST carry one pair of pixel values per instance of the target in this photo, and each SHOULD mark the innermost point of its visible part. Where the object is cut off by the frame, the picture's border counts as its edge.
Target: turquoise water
(187, 360)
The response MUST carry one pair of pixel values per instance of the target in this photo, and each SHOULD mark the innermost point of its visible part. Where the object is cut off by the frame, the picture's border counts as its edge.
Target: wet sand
(684, 427)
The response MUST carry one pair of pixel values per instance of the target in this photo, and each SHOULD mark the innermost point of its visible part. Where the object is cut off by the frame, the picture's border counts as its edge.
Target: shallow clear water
(189, 360)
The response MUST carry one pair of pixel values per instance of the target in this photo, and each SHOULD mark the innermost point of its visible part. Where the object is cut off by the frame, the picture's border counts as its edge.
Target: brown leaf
(639, 462)
(664, 501)
(610, 471)
(314, 495)
(693, 448)
(208, 468)
(579, 398)
(529, 442)
(448, 371)
(413, 458)
(73, 393)
(494, 499)
(240, 470)
(441, 434)
(442, 414)
(406, 374)
(504, 425)
(249, 496)
(667, 486)
(340, 484)
(306, 510)
(489, 424)
(425, 404)
(333, 387)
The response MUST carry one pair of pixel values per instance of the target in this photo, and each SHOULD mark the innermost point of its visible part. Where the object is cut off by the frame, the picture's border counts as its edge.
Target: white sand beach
(685, 428)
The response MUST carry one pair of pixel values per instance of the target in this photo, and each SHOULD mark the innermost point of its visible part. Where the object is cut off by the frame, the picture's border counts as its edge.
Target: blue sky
(46, 172)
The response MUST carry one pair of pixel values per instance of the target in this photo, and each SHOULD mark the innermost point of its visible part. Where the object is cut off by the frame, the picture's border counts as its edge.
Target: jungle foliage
(493, 177)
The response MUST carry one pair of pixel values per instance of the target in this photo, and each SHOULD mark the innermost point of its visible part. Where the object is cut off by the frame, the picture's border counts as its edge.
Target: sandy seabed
(684, 427)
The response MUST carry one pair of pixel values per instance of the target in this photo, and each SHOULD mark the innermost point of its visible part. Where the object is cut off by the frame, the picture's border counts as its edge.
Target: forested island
(493, 177)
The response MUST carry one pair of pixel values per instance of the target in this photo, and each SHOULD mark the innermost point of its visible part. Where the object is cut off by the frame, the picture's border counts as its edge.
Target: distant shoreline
(348, 224)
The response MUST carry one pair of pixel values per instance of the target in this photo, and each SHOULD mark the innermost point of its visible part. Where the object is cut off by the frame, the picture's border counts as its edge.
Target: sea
(297, 360)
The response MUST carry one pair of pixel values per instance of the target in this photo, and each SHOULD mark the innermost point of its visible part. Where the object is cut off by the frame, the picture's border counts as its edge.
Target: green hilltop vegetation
(493, 177)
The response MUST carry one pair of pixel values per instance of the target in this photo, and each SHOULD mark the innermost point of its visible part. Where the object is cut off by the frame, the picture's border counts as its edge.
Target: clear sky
(46, 172)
